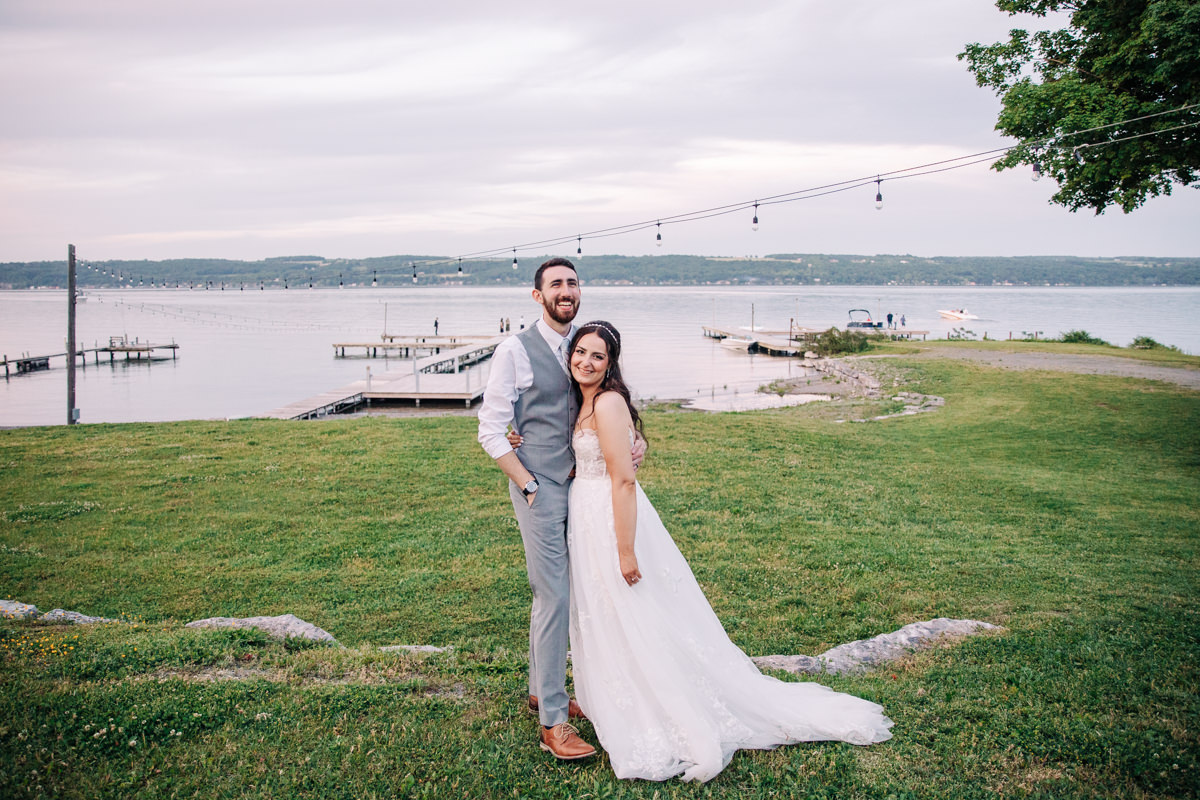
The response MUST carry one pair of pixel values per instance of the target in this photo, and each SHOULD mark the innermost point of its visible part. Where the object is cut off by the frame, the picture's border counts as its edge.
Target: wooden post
(72, 412)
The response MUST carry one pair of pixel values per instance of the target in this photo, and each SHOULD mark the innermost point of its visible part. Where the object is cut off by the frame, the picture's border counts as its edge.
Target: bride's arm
(613, 424)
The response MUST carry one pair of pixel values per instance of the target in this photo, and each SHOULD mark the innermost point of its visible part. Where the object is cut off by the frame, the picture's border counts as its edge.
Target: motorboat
(737, 342)
(863, 321)
(956, 314)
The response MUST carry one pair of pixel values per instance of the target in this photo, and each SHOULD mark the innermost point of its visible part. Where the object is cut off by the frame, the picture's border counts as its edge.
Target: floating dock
(118, 346)
(442, 376)
(391, 346)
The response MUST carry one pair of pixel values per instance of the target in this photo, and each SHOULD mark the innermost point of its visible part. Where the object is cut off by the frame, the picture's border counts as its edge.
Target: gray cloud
(137, 129)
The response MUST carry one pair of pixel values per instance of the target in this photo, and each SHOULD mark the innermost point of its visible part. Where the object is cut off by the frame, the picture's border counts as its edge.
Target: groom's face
(559, 294)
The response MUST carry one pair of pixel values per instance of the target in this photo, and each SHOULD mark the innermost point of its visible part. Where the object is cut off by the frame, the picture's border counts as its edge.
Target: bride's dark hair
(612, 382)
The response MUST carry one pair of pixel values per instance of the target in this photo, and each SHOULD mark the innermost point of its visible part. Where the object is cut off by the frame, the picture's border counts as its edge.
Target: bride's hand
(629, 569)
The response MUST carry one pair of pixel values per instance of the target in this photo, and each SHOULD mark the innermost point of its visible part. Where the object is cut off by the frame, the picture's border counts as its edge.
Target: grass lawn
(1064, 507)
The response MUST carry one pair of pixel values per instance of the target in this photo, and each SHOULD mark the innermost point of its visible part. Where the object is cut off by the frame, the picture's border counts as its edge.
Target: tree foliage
(1102, 105)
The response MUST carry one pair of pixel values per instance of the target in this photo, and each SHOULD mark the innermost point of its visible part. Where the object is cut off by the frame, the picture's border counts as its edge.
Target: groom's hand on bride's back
(638, 452)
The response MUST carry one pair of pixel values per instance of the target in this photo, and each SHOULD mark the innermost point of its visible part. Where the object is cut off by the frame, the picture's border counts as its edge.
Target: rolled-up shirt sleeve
(511, 374)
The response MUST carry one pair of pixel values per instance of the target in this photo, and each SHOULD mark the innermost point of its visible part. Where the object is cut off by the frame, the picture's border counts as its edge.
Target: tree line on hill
(301, 272)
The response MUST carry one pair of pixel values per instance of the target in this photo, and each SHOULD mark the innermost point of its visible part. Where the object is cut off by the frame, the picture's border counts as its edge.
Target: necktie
(562, 354)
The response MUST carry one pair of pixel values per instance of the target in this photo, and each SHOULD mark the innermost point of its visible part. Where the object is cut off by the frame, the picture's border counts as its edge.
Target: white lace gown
(667, 691)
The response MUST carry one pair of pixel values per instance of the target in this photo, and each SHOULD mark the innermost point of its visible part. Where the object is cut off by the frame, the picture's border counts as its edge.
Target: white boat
(956, 313)
(737, 342)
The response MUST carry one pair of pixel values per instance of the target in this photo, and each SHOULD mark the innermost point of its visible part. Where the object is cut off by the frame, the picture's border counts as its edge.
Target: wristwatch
(530, 487)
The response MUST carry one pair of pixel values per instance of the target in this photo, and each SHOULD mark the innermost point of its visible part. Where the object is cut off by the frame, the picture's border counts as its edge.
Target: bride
(667, 691)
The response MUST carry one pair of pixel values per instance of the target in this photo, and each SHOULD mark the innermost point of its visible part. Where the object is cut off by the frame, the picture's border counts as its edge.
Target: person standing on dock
(435, 326)
(890, 326)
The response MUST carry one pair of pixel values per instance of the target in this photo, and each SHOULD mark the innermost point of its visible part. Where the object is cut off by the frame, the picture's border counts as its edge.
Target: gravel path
(1086, 364)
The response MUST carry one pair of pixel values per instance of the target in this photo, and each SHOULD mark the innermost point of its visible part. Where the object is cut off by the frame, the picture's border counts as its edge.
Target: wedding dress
(667, 691)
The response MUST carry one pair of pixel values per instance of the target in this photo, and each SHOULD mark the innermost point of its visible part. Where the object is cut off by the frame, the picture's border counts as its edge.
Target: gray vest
(545, 413)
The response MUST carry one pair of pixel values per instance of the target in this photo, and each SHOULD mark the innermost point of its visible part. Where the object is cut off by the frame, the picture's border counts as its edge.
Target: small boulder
(414, 648)
(280, 627)
(59, 616)
(14, 609)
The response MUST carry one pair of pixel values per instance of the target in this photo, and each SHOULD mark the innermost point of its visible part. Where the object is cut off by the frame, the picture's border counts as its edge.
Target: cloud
(148, 129)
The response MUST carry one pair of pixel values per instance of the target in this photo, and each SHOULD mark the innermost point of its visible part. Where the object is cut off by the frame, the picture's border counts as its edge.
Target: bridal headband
(601, 324)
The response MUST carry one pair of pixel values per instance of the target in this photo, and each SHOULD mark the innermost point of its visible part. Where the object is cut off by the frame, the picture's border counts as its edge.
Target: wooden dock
(118, 346)
(442, 376)
(390, 346)
(793, 342)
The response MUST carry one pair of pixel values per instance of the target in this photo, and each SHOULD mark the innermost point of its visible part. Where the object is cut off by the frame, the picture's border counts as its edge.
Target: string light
(374, 278)
(340, 284)
(1036, 149)
(460, 274)
(414, 266)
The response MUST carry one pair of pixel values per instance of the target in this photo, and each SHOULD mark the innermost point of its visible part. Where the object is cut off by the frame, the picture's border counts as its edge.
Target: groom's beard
(560, 315)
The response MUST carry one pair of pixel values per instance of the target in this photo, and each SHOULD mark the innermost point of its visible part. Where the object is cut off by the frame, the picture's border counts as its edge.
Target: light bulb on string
(514, 258)
(658, 236)
(878, 195)
(754, 222)
(1037, 172)
(374, 278)
(579, 247)
(460, 274)
(340, 284)
(414, 266)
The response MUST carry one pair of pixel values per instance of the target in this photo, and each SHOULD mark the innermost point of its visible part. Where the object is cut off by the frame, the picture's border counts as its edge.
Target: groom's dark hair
(554, 262)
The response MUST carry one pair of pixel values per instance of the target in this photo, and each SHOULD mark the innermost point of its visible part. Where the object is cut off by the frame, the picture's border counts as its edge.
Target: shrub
(1081, 337)
(832, 342)
(1146, 343)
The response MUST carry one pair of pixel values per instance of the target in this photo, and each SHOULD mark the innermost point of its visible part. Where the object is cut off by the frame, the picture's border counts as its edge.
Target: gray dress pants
(544, 533)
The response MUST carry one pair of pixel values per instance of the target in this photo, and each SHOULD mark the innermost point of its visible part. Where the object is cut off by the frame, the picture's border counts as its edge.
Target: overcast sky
(255, 128)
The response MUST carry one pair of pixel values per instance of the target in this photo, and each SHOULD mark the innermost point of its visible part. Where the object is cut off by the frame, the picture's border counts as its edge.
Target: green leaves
(1101, 105)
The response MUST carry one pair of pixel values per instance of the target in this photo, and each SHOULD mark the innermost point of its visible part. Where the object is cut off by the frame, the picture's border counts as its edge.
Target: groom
(529, 388)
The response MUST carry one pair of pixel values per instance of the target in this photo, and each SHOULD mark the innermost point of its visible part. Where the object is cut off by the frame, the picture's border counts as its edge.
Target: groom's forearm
(514, 469)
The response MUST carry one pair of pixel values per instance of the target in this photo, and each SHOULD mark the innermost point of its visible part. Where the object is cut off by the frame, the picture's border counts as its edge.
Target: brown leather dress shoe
(562, 741)
(573, 709)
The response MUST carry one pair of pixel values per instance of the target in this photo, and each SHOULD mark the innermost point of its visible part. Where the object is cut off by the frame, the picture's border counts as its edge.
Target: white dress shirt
(511, 375)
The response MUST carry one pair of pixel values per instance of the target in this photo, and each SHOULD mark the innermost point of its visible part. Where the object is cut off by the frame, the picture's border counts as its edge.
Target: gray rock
(864, 654)
(415, 648)
(280, 627)
(73, 617)
(14, 609)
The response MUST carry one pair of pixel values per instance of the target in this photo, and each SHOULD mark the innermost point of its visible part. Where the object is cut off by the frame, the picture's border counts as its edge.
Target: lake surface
(243, 353)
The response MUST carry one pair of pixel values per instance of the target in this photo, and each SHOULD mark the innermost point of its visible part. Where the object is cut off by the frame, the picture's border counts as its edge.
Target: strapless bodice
(589, 460)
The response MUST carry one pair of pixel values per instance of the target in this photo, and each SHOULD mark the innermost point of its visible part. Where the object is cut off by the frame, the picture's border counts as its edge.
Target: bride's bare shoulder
(611, 405)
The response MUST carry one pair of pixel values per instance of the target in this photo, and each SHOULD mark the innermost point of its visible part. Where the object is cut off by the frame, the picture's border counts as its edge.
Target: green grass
(1063, 507)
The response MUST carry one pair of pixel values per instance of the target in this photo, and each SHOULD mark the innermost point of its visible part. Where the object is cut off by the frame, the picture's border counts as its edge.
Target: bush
(1146, 343)
(1081, 337)
(833, 342)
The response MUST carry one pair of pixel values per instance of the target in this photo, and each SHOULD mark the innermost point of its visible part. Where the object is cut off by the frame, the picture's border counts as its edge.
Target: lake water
(243, 353)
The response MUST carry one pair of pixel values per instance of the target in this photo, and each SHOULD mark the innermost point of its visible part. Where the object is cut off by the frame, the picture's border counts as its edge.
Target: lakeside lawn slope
(1063, 507)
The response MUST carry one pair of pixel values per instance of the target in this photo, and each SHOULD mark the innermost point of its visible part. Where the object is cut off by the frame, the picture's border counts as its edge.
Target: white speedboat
(956, 313)
(737, 342)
